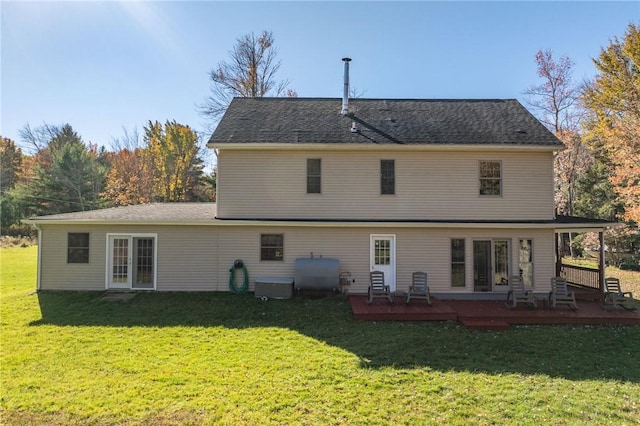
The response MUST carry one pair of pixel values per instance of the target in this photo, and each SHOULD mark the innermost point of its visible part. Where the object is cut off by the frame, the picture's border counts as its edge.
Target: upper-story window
(387, 177)
(314, 176)
(490, 178)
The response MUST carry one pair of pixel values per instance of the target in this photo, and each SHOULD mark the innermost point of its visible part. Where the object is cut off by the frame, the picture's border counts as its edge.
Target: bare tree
(129, 140)
(38, 138)
(555, 102)
(250, 72)
(555, 98)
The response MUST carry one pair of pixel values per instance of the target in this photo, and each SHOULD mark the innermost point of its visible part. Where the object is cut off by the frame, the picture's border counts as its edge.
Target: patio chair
(419, 288)
(377, 288)
(614, 296)
(517, 293)
(560, 294)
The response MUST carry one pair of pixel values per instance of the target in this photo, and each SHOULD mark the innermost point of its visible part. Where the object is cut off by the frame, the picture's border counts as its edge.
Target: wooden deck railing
(581, 276)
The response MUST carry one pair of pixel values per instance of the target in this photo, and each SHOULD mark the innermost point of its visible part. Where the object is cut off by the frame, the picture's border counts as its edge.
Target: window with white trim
(271, 247)
(314, 176)
(387, 177)
(490, 178)
(458, 262)
(78, 247)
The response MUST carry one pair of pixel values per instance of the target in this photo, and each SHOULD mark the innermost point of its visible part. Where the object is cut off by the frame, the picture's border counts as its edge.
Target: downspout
(39, 262)
(602, 260)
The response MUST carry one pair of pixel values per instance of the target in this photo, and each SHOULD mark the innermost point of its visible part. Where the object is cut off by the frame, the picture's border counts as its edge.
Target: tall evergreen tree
(10, 164)
(67, 175)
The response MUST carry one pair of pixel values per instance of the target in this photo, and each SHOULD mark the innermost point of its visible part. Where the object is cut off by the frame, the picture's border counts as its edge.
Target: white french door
(383, 257)
(131, 262)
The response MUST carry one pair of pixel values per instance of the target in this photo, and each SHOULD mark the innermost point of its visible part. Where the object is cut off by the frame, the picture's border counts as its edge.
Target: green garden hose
(238, 264)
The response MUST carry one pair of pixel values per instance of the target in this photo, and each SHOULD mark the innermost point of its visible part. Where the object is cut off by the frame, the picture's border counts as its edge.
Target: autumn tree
(613, 102)
(174, 152)
(11, 201)
(130, 179)
(249, 72)
(10, 164)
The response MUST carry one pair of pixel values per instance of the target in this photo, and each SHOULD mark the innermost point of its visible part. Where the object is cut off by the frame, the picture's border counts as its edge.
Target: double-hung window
(78, 247)
(457, 262)
(387, 177)
(314, 176)
(490, 178)
(271, 247)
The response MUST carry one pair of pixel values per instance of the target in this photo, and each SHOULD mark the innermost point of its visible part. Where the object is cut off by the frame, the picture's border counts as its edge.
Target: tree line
(65, 174)
(598, 174)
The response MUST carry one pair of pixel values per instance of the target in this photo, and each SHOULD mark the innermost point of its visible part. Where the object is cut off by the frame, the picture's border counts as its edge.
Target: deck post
(602, 261)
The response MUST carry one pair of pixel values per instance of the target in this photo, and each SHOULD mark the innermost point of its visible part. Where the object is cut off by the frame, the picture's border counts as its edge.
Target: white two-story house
(460, 189)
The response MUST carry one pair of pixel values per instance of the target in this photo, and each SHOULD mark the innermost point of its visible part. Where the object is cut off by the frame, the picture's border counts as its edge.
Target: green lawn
(70, 358)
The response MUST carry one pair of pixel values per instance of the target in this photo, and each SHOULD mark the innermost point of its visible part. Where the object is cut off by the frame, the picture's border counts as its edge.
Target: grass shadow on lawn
(571, 352)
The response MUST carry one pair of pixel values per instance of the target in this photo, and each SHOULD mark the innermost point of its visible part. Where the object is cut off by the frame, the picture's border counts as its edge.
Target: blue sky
(102, 66)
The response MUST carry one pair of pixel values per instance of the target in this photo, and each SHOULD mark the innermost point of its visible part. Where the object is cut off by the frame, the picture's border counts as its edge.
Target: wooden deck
(488, 314)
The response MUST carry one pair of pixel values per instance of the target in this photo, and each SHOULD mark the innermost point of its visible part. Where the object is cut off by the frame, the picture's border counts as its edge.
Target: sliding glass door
(491, 260)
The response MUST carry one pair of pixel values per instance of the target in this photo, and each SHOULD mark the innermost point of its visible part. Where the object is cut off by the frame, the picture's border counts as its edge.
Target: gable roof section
(155, 213)
(381, 121)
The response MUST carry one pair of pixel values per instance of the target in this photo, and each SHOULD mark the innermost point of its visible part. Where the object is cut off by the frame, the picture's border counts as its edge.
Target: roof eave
(114, 222)
(342, 146)
(595, 227)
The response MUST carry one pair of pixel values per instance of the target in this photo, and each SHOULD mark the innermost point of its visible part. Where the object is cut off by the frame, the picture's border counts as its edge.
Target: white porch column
(602, 260)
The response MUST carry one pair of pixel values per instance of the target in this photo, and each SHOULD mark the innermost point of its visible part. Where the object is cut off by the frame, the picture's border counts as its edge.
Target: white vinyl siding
(198, 258)
(428, 185)
(186, 257)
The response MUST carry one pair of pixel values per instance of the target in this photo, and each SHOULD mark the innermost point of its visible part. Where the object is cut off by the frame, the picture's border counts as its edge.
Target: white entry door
(383, 257)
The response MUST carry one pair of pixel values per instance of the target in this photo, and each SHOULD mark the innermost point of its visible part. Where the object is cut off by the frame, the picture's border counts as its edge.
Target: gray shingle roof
(381, 121)
(147, 213)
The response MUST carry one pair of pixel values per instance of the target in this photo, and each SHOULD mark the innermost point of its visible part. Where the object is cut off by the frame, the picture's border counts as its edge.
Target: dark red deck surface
(492, 313)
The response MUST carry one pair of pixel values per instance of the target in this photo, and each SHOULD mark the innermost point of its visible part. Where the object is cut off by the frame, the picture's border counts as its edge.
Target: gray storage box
(274, 287)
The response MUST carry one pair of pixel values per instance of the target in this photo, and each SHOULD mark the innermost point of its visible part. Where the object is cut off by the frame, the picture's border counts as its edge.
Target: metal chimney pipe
(345, 94)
